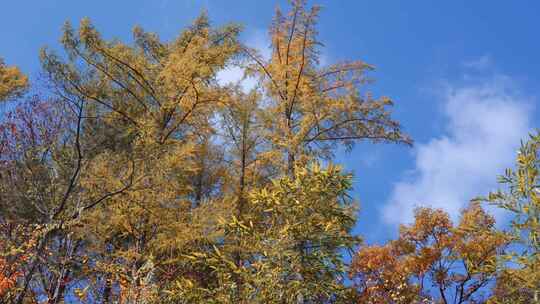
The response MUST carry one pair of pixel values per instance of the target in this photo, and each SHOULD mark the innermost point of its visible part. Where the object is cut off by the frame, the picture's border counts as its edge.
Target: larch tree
(304, 111)
(310, 108)
(151, 103)
(143, 180)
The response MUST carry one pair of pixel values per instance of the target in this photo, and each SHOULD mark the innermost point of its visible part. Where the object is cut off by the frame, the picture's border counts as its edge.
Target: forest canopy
(135, 176)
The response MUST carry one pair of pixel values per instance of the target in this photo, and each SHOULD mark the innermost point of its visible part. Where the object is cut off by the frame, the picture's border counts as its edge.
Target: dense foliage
(432, 261)
(138, 178)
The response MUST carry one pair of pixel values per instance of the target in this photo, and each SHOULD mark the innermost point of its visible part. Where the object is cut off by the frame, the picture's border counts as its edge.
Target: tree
(432, 260)
(312, 210)
(12, 82)
(520, 280)
(16, 244)
(147, 107)
(151, 183)
(284, 124)
(312, 109)
(32, 162)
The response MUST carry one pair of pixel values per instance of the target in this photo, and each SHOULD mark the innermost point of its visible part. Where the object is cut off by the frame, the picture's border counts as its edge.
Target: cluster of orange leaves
(431, 252)
(14, 257)
(9, 273)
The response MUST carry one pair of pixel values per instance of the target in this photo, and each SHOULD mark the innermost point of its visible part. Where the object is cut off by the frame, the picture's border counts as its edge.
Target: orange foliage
(14, 253)
(432, 260)
(8, 276)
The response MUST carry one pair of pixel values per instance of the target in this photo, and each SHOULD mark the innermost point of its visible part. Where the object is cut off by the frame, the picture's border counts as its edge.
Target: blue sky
(464, 75)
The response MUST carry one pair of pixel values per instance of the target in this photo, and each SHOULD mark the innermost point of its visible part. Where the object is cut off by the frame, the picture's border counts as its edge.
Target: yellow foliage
(12, 82)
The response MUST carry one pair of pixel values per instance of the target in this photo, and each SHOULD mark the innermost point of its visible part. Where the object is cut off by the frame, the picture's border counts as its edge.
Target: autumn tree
(311, 209)
(12, 82)
(313, 108)
(16, 244)
(148, 182)
(432, 260)
(147, 107)
(33, 176)
(520, 195)
(305, 111)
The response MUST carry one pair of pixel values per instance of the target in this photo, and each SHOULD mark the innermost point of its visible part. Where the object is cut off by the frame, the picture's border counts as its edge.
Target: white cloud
(260, 41)
(486, 122)
(233, 74)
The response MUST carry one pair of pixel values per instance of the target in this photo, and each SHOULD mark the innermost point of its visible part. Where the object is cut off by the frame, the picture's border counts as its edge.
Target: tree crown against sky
(140, 178)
